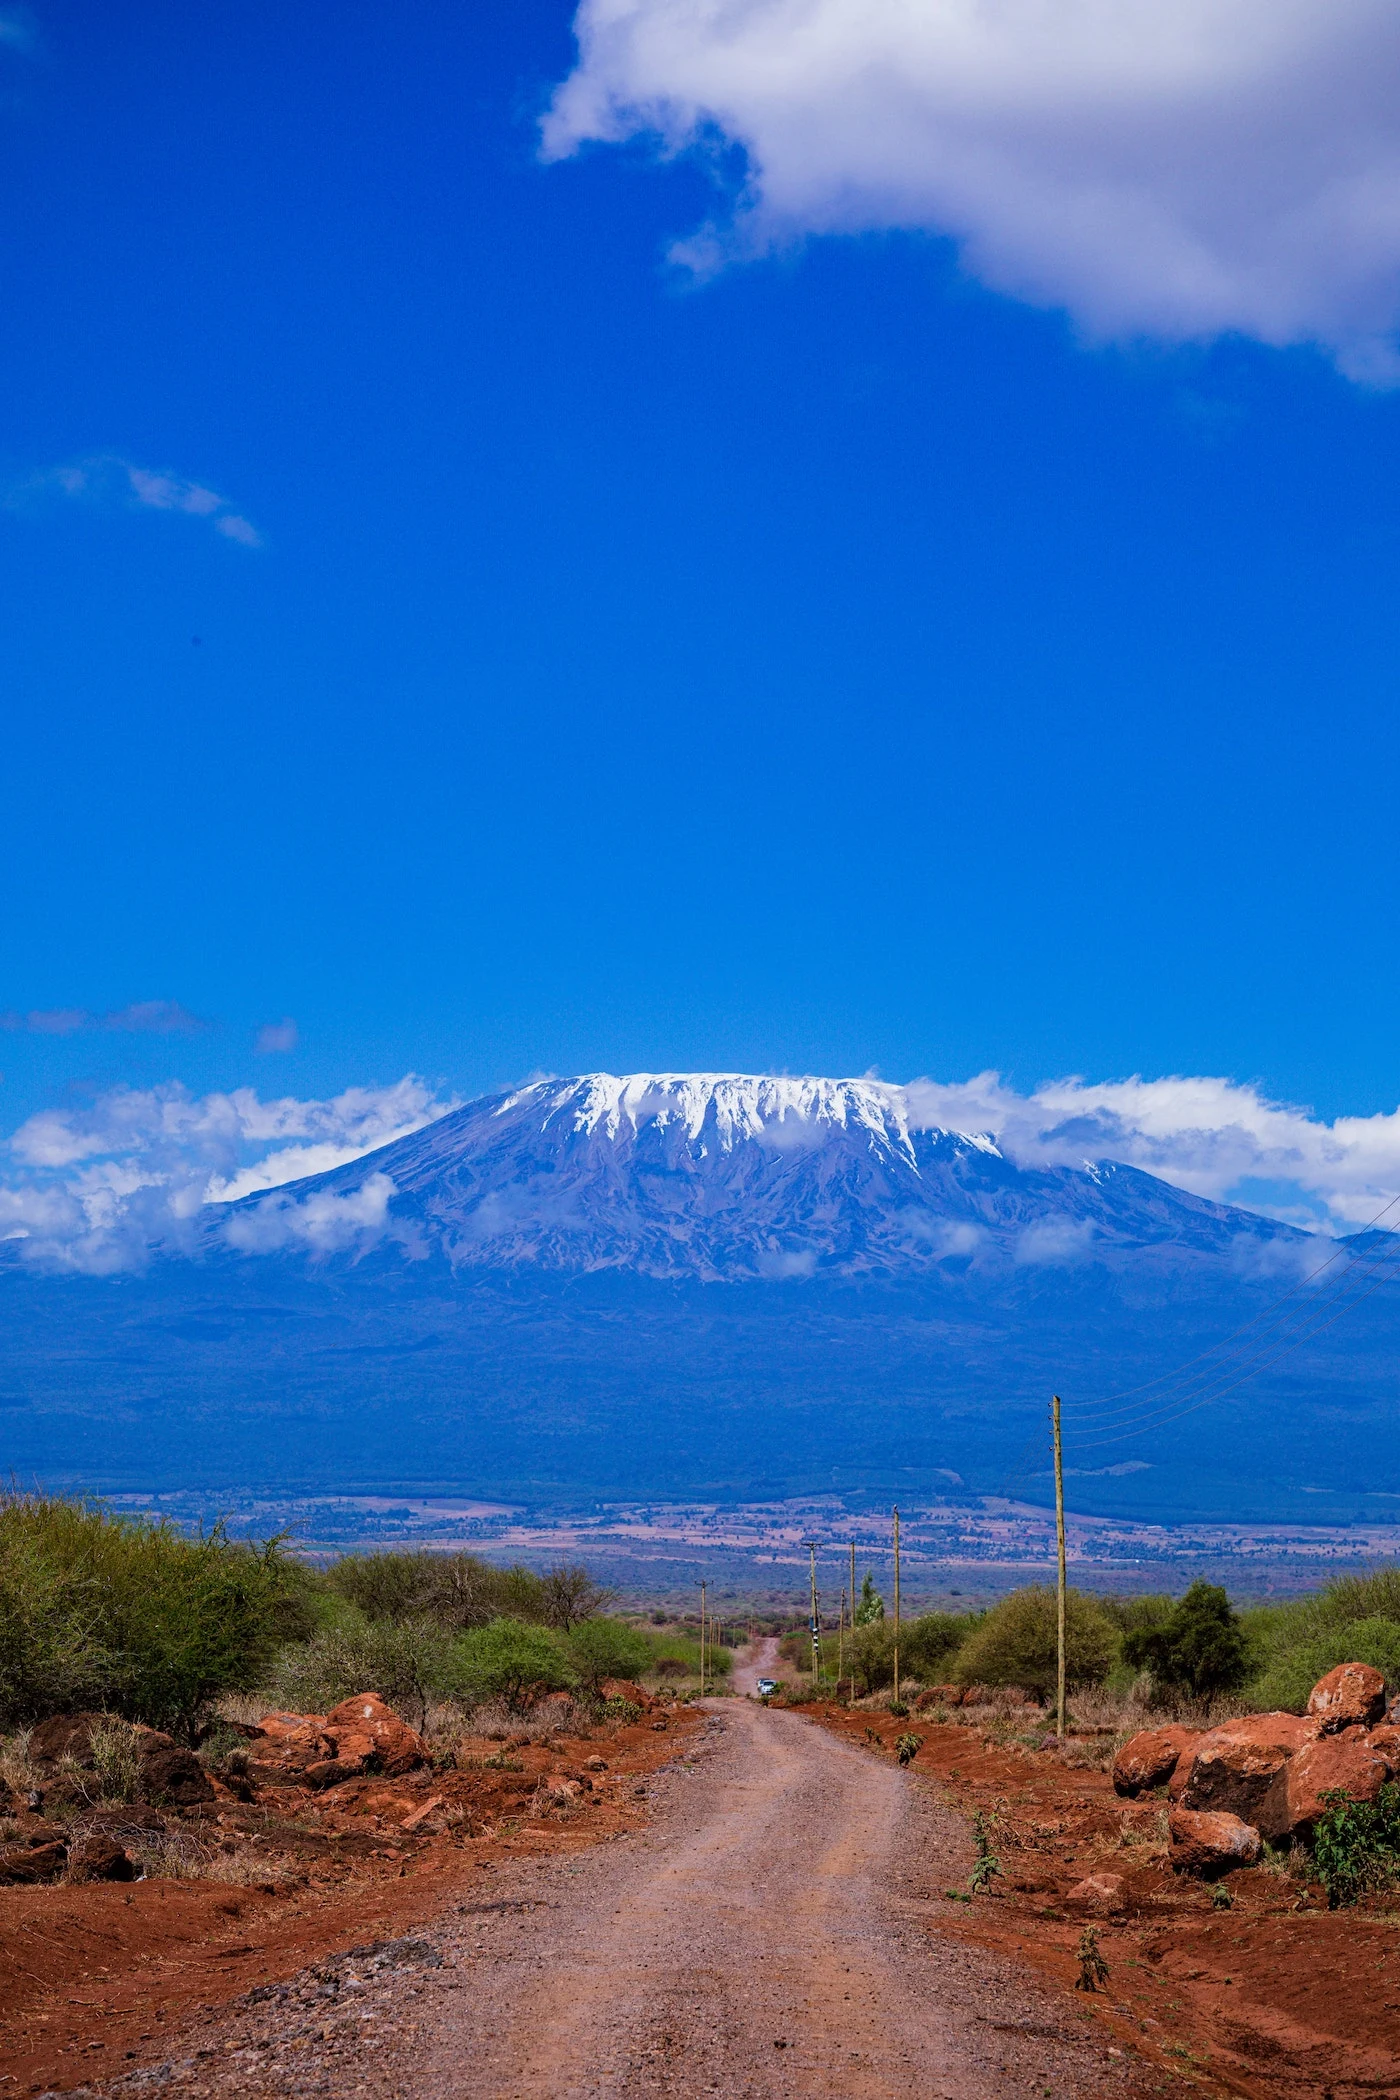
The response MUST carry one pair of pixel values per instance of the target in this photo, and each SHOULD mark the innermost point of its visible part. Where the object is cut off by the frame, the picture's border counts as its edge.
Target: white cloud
(1171, 171)
(108, 478)
(1212, 1136)
(324, 1222)
(98, 1186)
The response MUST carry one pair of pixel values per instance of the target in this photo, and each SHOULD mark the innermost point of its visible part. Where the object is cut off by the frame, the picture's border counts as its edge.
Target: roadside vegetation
(133, 1618)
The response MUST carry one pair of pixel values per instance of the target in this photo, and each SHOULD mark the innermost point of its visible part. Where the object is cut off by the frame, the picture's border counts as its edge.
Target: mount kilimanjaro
(679, 1285)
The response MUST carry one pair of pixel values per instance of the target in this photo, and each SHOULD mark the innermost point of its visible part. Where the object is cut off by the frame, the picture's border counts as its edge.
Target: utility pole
(702, 1640)
(841, 1640)
(896, 1608)
(853, 1618)
(811, 1546)
(1060, 1596)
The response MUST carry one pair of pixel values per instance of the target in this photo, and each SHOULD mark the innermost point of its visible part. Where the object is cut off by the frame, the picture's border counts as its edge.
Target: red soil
(97, 1980)
(1275, 1996)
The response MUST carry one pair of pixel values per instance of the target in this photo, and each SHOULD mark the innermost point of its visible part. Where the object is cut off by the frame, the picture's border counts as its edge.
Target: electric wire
(1277, 1310)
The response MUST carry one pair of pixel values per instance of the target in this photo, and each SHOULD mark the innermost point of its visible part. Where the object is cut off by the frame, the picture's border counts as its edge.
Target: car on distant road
(766, 1687)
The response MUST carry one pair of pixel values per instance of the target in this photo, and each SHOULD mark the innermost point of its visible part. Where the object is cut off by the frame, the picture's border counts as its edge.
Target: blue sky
(520, 655)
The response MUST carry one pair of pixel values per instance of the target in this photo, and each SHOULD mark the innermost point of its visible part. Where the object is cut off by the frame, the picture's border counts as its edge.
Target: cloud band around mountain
(98, 1187)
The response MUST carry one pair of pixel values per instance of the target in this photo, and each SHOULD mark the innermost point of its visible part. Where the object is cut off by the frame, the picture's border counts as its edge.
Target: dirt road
(773, 1932)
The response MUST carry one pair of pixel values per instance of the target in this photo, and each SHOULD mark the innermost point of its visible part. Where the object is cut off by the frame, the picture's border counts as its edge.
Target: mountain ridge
(730, 1176)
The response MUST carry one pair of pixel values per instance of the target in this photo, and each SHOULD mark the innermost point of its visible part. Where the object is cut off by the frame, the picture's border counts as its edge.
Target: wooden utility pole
(702, 1640)
(853, 1620)
(811, 1546)
(841, 1640)
(1060, 1592)
(896, 1608)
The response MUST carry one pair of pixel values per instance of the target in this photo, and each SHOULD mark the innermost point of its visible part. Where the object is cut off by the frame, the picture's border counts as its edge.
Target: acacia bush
(409, 1663)
(131, 1616)
(510, 1660)
(1197, 1648)
(461, 1590)
(601, 1648)
(1016, 1643)
(926, 1648)
(1355, 1619)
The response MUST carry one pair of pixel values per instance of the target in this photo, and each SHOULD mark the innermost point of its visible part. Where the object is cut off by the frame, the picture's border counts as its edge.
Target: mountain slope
(730, 1178)
(684, 1285)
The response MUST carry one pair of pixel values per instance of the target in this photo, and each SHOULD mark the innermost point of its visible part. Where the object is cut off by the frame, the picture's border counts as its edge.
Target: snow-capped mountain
(671, 1284)
(725, 1176)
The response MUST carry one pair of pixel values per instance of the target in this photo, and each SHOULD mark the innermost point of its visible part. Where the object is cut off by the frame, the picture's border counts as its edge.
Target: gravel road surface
(774, 1931)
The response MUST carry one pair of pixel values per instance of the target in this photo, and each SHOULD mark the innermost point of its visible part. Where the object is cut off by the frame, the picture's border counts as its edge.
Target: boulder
(32, 1863)
(63, 1735)
(1294, 1803)
(624, 1688)
(1150, 1758)
(98, 1857)
(1231, 1769)
(169, 1773)
(365, 1727)
(939, 1695)
(1210, 1844)
(1385, 1741)
(1351, 1696)
(1106, 1893)
(559, 1789)
(362, 1734)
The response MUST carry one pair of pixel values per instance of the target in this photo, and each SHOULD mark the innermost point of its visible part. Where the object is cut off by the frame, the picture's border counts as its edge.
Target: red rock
(1101, 1892)
(64, 1735)
(32, 1863)
(1231, 1769)
(1351, 1696)
(98, 1857)
(1206, 1843)
(365, 1727)
(560, 1789)
(1150, 1758)
(1385, 1741)
(940, 1695)
(624, 1688)
(421, 1815)
(168, 1771)
(1294, 1803)
(171, 1774)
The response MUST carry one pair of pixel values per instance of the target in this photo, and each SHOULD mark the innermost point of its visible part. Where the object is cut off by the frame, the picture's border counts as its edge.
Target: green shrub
(1290, 1675)
(458, 1590)
(1357, 1845)
(870, 1605)
(132, 1615)
(1016, 1643)
(683, 1649)
(1355, 1619)
(409, 1663)
(602, 1648)
(928, 1644)
(1198, 1647)
(510, 1660)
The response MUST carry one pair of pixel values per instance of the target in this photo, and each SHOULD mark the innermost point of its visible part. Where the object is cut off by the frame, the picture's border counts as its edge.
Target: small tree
(1199, 1648)
(871, 1605)
(602, 1648)
(570, 1596)
(1017, 1642)
(508, 1659)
